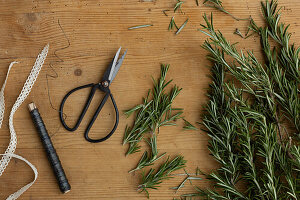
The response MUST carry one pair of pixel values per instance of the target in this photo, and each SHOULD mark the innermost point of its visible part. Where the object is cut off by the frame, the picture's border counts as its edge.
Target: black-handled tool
(103, 86)
(51, 153)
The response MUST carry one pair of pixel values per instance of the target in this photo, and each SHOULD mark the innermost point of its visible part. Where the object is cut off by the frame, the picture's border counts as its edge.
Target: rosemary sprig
(140, 26)
(250, 105)
(153, 113)
(152, 179)
(147, 160)
(188, 125)
(182, 26)
(178, 5)
(217, 4)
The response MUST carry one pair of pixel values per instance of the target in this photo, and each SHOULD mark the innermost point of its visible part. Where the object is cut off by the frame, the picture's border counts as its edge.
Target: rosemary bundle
(253, 114)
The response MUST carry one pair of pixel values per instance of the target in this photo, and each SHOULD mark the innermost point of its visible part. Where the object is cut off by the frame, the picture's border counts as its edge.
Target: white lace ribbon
(9, 153)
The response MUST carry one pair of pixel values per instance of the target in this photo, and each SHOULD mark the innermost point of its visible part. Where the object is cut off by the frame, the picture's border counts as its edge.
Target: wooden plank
(83, 36)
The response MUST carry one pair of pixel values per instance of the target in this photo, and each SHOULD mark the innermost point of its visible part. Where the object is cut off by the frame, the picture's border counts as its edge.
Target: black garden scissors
(108, 77)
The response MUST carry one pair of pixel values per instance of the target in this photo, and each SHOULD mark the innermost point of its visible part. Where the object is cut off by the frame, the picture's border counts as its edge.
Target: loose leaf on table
(182, 26)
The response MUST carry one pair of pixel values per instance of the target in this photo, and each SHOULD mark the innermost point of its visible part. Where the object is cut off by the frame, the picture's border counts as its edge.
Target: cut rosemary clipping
(152, 179)
(253, 114)
(153, 113)
(150, 116)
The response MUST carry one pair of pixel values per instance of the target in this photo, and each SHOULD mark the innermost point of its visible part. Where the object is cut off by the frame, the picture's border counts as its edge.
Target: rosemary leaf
(182, 26)
(171, 25)
(140, 26)
(165, 12)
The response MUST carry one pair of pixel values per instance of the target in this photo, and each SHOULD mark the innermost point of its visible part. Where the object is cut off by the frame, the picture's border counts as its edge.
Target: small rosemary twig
(217, 4)
(238, 32)
(178, 5)
(152, 179)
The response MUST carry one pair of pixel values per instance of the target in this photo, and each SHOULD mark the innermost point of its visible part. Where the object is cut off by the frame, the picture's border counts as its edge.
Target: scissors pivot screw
(105, 84)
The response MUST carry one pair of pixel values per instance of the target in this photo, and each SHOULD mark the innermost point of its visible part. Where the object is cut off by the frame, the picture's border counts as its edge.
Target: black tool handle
(85, 108)
(86, 133)
(51, 153)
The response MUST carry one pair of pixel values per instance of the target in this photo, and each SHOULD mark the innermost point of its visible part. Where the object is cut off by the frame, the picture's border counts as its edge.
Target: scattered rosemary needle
(172, 24)
(238, 32)
(152, 179)
(182, 26)
(165, 12)
(188, 125)
(197, 2)
(178, 5)
(147, 160)
(140, 26)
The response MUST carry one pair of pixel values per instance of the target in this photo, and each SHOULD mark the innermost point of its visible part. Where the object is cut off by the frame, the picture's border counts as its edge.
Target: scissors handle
(86, 133)
(84, 110)
(87, 104)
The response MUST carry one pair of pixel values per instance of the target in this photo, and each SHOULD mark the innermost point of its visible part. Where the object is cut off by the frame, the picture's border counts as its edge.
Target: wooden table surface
(83, 37)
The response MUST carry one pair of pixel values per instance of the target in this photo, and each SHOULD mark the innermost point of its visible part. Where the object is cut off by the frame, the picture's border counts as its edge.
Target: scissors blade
(118, 65)
(114, 64)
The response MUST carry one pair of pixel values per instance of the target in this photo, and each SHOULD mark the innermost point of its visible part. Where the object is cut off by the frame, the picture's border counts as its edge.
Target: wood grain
(83, 37)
